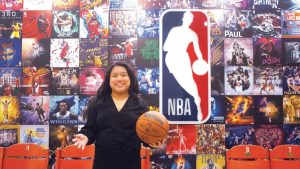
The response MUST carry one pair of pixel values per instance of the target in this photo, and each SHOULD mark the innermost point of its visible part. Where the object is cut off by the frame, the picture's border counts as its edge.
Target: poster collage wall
(53, 55)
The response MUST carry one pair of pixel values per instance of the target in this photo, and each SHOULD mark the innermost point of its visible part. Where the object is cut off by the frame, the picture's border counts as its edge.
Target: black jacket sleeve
(89, 129)
(143, 104)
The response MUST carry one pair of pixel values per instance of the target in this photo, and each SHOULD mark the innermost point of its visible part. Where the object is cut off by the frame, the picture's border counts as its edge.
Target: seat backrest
(285, 156)
(25, 156)
(247, 157)
(1, 156)
(72, 157)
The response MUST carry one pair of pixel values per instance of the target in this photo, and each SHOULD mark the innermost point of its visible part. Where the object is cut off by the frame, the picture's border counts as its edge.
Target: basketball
(152, 127)
(200, 67)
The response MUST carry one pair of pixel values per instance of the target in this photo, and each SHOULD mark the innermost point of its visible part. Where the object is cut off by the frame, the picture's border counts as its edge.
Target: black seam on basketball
(148, 133)
(156, 124)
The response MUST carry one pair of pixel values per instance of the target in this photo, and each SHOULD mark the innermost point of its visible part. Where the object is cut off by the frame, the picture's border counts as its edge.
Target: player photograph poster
(269, 136)
(217, 51)
(289, 4)
(148, 54)
(11, 5)
(90, 79)
(148, 23)
(64, 110)
(181, 139)
(35, 52)
(36, 134)
(93, 52)
(64, 52)
(267, 51)
(240, 110)
(65, 24)
(35, 81)
(291, 109)
(173, 161)
(268, 80)
(34, 110)
(266, 23)
(217, 109)
(37, 24)
(9, 135)
(148, 80)
(268, 110)
(10, 50)
(10, 81)
(239, 135)
(10, 110)
(11, 24)
(210, 161)
(184, 62)
(37, 5)
(238, 51)
(210, 139)
(60, 135)
(290, 134)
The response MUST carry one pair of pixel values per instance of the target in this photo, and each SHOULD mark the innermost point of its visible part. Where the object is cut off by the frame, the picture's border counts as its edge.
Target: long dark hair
(105, 89)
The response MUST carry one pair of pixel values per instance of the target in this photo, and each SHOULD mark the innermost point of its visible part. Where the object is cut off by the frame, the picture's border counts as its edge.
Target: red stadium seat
(1, 156)
(72, 157)
(247, 157)
(285, 156)
(145, 154)
(25, 156)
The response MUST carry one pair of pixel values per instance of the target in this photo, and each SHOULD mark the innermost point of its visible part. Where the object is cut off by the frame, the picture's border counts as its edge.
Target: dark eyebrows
(125, 72)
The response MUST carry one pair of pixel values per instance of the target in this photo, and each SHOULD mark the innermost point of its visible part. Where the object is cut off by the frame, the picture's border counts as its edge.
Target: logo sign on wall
(184, 66)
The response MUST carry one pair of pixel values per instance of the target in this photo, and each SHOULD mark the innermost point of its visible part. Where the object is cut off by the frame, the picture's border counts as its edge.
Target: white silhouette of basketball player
(182, 140)
(177, 59)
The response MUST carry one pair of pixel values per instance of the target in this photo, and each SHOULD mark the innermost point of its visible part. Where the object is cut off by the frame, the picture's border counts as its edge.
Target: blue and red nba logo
(184, 66)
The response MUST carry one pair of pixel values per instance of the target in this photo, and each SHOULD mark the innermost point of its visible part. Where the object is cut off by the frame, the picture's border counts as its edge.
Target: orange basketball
(152, 127)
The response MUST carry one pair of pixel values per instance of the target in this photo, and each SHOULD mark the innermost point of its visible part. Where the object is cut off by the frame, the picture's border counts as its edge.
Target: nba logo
(184, 66)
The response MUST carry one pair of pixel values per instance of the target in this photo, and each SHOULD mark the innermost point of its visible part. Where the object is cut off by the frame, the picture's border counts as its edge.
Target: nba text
(179, 106)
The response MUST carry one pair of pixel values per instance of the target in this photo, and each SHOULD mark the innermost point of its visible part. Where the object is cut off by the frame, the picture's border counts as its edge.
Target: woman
(112, 116)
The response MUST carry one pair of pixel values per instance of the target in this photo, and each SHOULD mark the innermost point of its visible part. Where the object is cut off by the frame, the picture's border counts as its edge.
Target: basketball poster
(210, 161)
(9, 135)
(184, 46)
(36, 134)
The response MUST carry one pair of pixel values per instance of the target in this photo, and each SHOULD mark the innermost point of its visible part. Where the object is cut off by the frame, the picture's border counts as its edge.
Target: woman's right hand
(80, 140)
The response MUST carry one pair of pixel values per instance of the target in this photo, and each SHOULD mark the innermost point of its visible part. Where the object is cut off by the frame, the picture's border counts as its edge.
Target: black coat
(117, 144)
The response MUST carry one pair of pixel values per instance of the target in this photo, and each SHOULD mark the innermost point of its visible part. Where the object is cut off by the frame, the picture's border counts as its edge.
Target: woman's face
(119, 80)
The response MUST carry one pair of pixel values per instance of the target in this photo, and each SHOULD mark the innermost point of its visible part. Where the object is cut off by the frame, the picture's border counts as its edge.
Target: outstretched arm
(34, 110)
(58, 18)
(87, 133)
